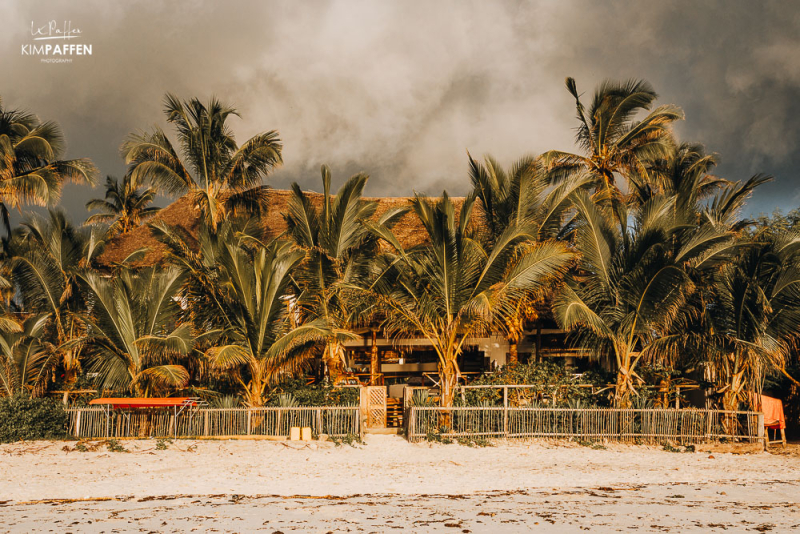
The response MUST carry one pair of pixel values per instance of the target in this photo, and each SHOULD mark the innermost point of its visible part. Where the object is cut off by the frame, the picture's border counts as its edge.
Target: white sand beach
(390, 484)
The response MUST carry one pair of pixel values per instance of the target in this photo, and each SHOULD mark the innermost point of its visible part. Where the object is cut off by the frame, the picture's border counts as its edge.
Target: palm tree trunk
(334, 360)
(448, 374)
(513, 358)
(255, 388)
(374, 361)
(731, 399)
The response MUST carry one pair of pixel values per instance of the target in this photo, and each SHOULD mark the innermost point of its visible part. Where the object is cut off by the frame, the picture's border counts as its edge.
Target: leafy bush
(349, 439)
(550, 381)
(26, 418)
(115, 446)
(323, 394)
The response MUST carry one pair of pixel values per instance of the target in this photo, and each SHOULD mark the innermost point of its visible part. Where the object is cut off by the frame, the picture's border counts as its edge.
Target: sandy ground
(389, 484)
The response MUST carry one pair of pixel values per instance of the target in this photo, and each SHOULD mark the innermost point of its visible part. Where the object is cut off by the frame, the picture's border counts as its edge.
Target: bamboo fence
(335, 421)
(593, 424)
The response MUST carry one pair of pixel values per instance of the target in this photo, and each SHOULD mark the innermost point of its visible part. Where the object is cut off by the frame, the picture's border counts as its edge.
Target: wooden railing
(336, 421)
(593, 424)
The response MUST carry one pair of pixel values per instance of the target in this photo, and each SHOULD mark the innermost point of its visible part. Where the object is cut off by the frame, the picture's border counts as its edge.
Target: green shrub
(312, 395)
(550, 380)
(349, 439)
(26, 418)
(115, 446)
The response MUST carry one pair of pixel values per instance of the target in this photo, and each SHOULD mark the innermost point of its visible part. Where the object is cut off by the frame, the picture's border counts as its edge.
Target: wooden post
(205, 422)
(249, 413)
(374, 360)
(505, 410)
(538, 340)
(677, 397)
(760, 424)
(319, 421)
(78, 424)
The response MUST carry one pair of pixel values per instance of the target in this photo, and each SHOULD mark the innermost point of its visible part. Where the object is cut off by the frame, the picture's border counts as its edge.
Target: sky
(402, 90)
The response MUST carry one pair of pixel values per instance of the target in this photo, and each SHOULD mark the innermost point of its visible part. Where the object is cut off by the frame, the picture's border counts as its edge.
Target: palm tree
(628, 288)
(31, 168)
(455, 286)
(132, 341)
(259, 337)
(614, 143)
(747, 316)
(26, 358)
(338, 247)
(223, 177)
(520, 196)
(124, 206)
(48, 256)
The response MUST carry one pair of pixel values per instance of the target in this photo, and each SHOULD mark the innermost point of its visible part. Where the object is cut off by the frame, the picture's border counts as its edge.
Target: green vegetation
(26, 418)
(115, 446)
(631, 244)
(552, 384)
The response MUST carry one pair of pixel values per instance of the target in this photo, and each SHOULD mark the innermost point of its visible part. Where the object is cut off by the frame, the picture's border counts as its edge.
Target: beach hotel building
(373, 359)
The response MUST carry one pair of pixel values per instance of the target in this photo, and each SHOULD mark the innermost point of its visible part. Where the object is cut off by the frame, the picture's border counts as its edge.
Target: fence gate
(373, 406)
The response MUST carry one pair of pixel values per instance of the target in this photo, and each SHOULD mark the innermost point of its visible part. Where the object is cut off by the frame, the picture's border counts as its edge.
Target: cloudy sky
(401, 90)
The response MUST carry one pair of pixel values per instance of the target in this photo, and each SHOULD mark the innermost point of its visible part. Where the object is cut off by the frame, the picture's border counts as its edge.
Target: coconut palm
(124, 206)
(519, 196)
(132, 341)
(614, 142)
(223, 176)
(455, 287)
(748, 318)
(338, 247)
(49, 254)
(628, 289)
(27, 360)
(31, 168)
(259, 344)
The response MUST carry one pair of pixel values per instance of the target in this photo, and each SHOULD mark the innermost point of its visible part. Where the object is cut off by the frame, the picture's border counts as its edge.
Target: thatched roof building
(185, 215)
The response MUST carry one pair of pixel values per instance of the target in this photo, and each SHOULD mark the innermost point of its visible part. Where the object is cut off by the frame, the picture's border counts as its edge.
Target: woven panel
(376, 408)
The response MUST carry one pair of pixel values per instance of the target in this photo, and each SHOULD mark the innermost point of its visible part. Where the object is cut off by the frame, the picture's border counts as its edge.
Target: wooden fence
(336, 421)
(628, 425)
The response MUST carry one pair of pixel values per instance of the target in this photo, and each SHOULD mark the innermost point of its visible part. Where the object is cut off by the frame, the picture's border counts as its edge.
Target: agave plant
(223, 176)
(133, 342)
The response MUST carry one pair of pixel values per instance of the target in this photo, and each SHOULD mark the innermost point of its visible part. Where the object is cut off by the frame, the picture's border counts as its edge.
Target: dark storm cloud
(402, 89)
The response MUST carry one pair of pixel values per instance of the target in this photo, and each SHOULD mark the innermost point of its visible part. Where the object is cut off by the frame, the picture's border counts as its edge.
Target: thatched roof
(185, 215)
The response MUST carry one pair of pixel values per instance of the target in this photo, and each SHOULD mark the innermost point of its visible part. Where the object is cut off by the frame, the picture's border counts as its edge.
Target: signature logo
(52, 30)
(62, 51)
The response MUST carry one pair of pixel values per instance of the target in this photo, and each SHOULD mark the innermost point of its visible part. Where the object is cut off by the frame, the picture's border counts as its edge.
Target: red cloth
(773, 412)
